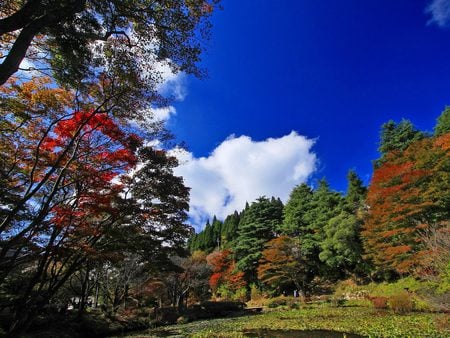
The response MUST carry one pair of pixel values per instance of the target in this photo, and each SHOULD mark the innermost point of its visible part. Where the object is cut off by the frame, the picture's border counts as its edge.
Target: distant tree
(224, 272)
(257, 226)
(443, 123)
(217, 232)
(342, 247)
(325, 204)
(283, 265)
(188, 281)
(198, 271)
(230, 228)
(294, 212)
(356, 193)
(397, 137)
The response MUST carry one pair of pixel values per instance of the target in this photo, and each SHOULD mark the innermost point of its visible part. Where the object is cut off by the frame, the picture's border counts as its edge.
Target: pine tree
(257, 226)
(443, 123)
(293, 214)
(342, 248)
(397, 137)
(230, 228)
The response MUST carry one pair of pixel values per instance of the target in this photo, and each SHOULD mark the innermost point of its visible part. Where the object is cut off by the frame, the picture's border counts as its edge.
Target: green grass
(360, 320)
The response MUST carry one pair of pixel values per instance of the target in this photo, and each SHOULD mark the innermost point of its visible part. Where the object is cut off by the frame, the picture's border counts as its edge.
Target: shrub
(379, 302)
(255, 293)
(291, 302)
(421, 304)
(276, 302)
(401, 303)
(337, 301)
(224, 292)
(240, 295)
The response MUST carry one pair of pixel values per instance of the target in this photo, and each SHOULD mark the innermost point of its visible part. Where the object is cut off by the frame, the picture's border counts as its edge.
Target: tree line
(375, 233)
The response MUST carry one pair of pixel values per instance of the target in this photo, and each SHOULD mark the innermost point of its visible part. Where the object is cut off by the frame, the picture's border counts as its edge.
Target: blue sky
(332, 71)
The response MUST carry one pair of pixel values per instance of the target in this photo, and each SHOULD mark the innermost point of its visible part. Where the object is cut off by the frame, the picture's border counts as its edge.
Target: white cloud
(172, 84)
(240, 170)
(440, 12)
(163, 113)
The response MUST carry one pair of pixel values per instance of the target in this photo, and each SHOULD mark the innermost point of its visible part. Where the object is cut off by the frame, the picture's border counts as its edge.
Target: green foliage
(401, 302)
(290, 302)
(390, 289)
(240, 295)
(443, 123)
(342, 248)
(66, 30)
(208, 239)
(224, 292)
(295, 210)
(256, 227)
(230, 229)
(359, 320)
(397, 137)
(256, 295)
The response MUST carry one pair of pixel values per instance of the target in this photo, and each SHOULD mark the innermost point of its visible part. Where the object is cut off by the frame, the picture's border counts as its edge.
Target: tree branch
(21, 18)
(19, 49)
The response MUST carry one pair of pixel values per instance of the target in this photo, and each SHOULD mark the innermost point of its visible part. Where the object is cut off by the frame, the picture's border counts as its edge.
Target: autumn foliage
(77, 186)
(408, 194)
(224, 271)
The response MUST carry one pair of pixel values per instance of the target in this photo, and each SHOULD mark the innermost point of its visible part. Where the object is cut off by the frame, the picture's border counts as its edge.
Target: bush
(240, 295)
(379, 302)
(291, 302)
(401, 303)
(391, 289)
(224, 292)
(422, 305)
(276, 302)
(337, 301)
(257, 297)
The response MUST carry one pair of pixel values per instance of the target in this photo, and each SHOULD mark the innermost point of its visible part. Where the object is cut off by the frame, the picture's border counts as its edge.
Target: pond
(263, 333)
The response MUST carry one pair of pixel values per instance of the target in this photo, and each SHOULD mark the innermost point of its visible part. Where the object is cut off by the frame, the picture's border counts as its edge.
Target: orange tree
(283, 264)
(409, 193)
(224, 271)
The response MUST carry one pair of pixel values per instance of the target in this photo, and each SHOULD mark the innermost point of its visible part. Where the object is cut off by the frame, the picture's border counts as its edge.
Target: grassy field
(364, 321)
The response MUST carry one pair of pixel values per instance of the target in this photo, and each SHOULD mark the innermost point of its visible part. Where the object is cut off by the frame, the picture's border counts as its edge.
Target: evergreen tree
(356, 193)
(443, 123)
(257, 226)
(293, 214)
(397, 137)
(216, 232)
(230, 228)
(325, 204)
(342, 247)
